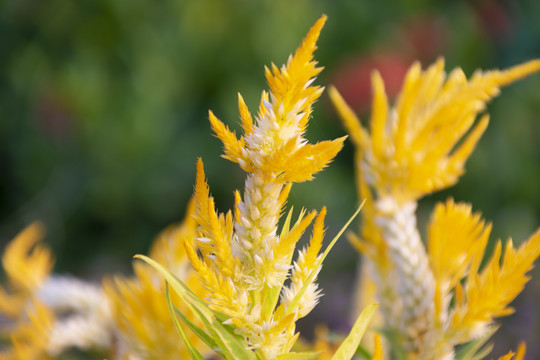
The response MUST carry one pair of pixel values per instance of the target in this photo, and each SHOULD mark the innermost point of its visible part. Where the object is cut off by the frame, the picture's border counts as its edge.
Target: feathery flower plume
(412, 149)
(127, 319)
(242, 257)
(245, 259)
(35, 297)
(143, 325)
(421, 144)
(26, 265)
(457, 239)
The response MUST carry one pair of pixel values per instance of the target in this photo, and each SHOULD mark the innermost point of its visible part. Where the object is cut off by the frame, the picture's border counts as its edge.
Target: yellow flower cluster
(142, 320)
(238, 263)
(421, 144)
(126, 320)
(27, 264)
(412, 149)
(244, 259)
(238, 287)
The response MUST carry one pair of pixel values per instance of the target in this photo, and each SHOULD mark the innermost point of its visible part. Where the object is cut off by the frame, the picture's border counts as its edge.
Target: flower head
(422, 143)
(274, 144)
(27, 265)
(456, 246)
(142, 320)
(418, 146)
(243, 259)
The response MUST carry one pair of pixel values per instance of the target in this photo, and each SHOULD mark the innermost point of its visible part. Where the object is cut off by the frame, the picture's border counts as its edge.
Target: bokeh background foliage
(103, 111)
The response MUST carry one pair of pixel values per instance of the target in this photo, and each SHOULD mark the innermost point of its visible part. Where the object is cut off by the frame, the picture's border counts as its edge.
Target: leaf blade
(299, 356)
(348, 347)
(231, 345)
(195, 354)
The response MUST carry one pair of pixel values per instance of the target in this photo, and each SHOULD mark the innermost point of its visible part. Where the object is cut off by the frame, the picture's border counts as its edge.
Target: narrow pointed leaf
(347, 349)
(231, 345)
(299, 356)
(203, 335)
(192, 350)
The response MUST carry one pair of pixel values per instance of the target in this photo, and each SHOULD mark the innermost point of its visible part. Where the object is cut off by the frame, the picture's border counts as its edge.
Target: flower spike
(414, 148)
(418, 146)
(274, 143)
(244, 260)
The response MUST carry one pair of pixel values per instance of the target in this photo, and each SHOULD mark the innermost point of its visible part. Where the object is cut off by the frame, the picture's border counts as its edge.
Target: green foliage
(348, 347)
(194, 353)
(229, 345)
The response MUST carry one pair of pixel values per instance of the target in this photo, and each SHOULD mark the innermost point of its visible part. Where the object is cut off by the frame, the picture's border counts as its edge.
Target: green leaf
(299, 356)
(294, 302)
(197, 330)
(348, 347)
(192, 350)
(232, 346)
(333, 242)
(363, 352)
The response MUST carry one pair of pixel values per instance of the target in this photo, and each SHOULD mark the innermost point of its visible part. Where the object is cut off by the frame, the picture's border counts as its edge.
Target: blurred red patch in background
(494, 20)
(422, 38)
(353, 78)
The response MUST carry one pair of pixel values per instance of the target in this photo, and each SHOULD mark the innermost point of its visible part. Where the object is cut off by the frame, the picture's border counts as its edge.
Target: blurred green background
(103, 112)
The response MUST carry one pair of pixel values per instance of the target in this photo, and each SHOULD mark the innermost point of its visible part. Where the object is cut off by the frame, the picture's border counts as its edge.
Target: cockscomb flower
(142, 321)
(127, 319)
(29, 337)
(26, 265)
(457, 239)
(421, 144)
(35, 297)
(274, 145)
(242, 257)
(418, 146)
(246, 260)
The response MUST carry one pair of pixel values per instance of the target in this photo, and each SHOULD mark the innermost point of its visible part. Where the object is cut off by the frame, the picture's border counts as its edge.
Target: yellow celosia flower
(141, 323)
(457, 241)
(30, 337)
(274, 145)
(244, 260)
(141, 315)
(488, 293)
(414, 148)
(456, 238)
(34, 297)
(26, 264)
